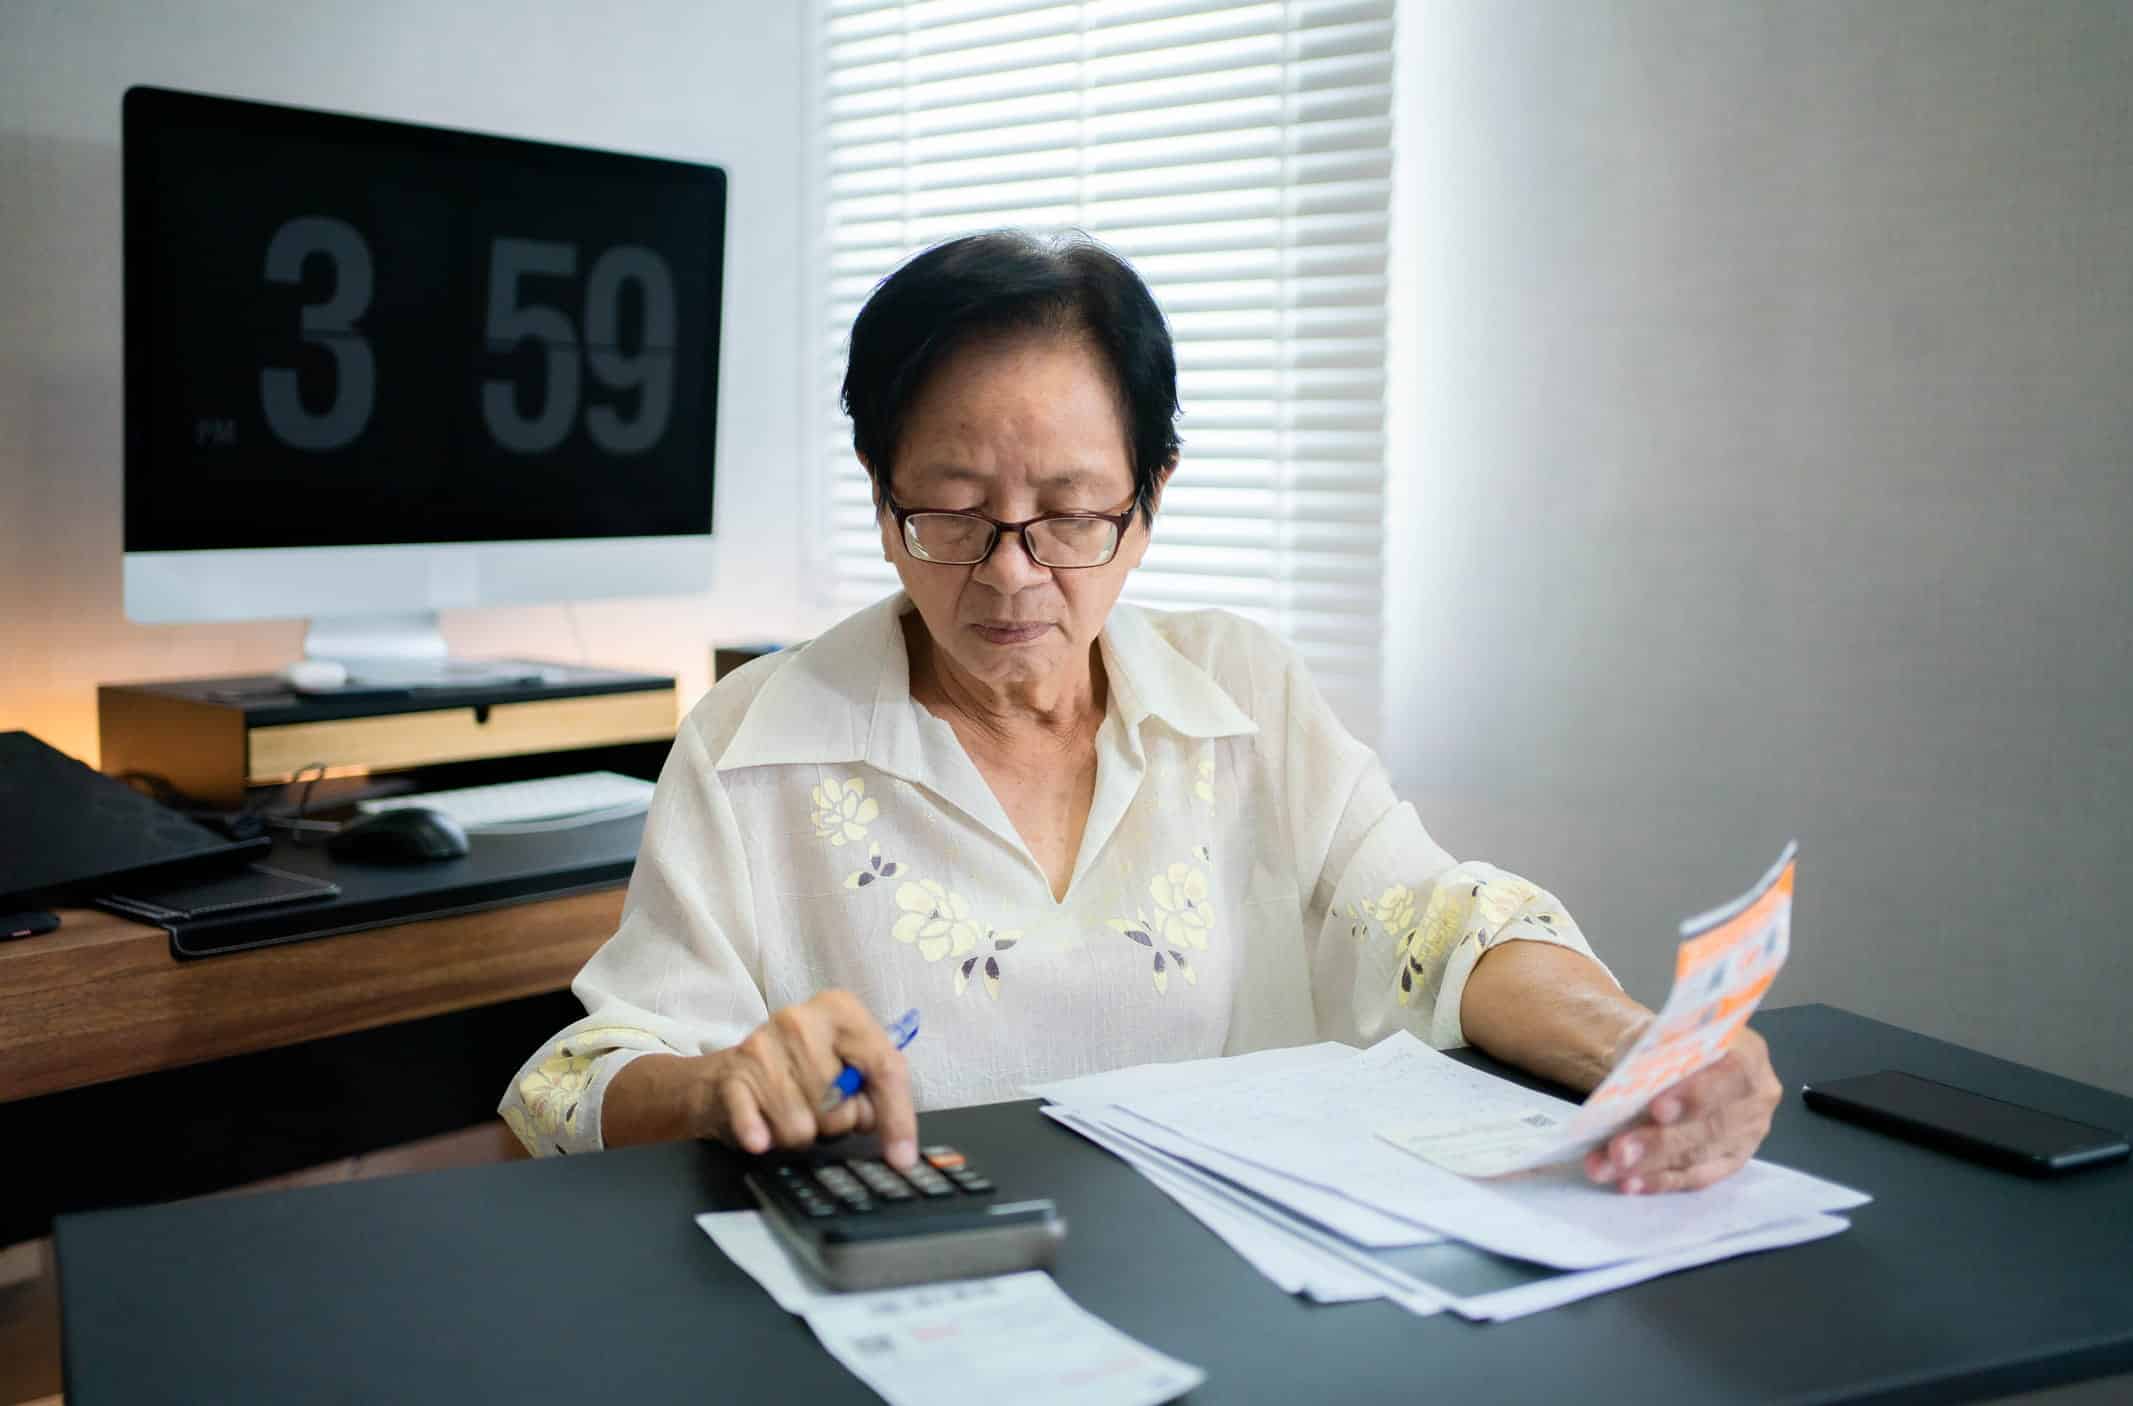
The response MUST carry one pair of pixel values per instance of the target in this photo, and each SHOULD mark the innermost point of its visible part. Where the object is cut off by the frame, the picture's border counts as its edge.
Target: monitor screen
(345, 332)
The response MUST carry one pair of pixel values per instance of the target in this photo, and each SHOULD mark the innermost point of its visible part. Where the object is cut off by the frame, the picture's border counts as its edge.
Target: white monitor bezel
(280, 583)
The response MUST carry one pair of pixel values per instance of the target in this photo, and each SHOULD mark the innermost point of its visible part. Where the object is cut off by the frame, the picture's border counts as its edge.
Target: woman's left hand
(1702, 1129)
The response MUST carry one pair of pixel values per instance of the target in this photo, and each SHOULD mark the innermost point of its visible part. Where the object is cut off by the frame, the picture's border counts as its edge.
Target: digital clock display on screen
(343, 332)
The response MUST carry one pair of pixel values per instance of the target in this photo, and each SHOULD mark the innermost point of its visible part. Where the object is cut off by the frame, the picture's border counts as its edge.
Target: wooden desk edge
(102, 998)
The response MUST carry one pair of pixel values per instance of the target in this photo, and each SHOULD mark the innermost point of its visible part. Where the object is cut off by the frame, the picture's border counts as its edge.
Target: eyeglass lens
(955, 540)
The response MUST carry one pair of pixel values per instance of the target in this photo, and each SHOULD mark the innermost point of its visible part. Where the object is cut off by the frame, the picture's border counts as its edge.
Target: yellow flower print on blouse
(877, 869)
(934, 918)
(515, 1120)
(1480, 907)
(1498, 900)
(1395, 910)
(1183, 919)
(554, 1091)
(1204, 787)
(1183, 916)
(842, 810)
(1001, 942)
(1421, 946)
(1162, 957)
(1359, 918)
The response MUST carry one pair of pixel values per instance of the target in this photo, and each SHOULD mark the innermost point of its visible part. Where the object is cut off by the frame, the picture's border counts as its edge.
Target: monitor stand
(404, 651)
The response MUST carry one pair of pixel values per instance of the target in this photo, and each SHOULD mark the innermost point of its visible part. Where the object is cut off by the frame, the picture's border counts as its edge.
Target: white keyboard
(552, 802)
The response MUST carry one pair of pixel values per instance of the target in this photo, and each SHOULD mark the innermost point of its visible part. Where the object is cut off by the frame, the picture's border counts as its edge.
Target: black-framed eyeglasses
(1061, 541)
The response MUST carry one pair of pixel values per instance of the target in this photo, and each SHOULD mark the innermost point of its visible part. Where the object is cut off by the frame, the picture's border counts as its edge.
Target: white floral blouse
(1246, 879)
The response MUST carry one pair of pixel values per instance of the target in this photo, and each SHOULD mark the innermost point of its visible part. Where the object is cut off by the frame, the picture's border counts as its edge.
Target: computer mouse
(315, 675)
(409, 835)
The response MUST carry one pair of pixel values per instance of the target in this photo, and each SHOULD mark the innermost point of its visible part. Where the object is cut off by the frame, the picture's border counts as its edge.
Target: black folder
(67, 832)
(166, 902)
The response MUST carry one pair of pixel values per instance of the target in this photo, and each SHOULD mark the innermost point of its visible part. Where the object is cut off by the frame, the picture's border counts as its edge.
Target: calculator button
(817, 1208)
(943, 1157)
(973, 1183)
(934, 1186)
(875, 1174)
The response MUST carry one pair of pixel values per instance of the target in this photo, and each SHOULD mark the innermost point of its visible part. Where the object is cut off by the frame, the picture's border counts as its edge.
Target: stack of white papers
(1278, 1156)
(1346, 1174)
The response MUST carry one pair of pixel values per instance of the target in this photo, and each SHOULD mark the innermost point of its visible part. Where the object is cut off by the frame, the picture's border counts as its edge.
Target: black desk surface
(583, 1279)
(496, 870)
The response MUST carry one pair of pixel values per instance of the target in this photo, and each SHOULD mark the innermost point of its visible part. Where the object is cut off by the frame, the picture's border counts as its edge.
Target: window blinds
(1239, 154)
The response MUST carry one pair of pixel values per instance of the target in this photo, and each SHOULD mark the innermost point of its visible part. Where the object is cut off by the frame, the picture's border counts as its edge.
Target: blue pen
(849, 1080)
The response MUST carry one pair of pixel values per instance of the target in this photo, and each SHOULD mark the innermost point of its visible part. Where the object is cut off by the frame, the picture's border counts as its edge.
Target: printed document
(1013, 1337)
(1315, 1125)
(1299, 1257)
(1096, 1096)
(1725, 964)
(1493, 1290)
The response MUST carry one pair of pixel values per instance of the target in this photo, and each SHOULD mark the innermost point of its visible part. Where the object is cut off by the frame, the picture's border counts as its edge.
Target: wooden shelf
(214, 738)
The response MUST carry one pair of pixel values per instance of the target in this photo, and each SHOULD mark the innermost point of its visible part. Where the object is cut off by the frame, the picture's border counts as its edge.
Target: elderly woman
(1076, 834)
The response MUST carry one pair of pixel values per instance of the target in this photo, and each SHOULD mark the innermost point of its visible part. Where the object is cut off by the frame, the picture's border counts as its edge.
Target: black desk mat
(497, 870)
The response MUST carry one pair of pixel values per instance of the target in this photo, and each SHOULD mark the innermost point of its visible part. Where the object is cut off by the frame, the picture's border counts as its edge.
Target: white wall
(1767, 469)
(703, 80)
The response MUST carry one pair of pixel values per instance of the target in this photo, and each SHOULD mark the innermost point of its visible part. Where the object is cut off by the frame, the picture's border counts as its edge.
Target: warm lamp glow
(70, 728)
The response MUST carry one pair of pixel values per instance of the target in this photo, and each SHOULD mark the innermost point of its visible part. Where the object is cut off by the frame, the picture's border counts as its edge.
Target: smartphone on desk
(1983, 1129)
(861, 1224)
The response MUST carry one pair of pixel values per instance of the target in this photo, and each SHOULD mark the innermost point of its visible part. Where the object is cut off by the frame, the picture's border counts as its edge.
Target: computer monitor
(374, 370)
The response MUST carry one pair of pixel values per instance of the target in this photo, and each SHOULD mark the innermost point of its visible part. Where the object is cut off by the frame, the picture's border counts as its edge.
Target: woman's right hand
(767, 1091)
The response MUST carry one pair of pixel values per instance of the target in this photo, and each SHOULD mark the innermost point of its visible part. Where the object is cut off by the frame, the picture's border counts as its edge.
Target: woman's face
(1015, 427)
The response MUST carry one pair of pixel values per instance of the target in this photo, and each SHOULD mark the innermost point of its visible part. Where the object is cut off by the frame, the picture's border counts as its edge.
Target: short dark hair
(1007, 281)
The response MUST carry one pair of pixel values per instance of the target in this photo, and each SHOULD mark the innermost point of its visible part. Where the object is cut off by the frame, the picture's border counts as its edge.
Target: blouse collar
(846, 696)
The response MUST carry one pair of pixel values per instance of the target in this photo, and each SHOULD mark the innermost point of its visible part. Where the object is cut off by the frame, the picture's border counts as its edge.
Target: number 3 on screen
(330, 325)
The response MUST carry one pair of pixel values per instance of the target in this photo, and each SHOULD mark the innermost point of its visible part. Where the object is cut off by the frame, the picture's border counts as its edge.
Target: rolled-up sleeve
(681, 975)
(1394, 924)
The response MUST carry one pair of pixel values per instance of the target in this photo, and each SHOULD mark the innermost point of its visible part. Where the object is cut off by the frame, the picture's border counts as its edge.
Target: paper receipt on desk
(1725, 964)
(1012, 1337)
(1017, 1338)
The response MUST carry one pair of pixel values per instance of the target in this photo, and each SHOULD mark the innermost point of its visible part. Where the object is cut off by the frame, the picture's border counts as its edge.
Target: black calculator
(861, 1224)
